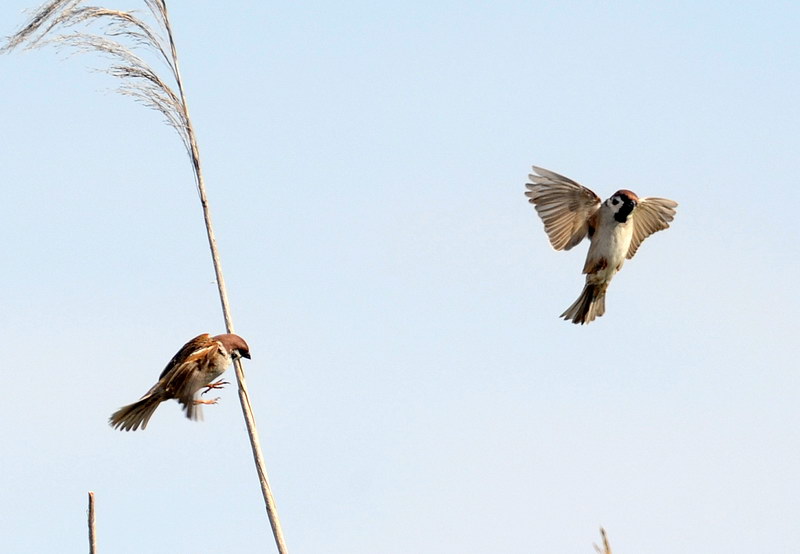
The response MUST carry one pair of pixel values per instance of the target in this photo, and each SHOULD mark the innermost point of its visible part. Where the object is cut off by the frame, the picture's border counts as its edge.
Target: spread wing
(187, 373)
(651, 215)
(564, 206)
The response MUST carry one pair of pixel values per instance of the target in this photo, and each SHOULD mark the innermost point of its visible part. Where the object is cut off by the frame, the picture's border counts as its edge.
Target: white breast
(610, 242)
(218, 364)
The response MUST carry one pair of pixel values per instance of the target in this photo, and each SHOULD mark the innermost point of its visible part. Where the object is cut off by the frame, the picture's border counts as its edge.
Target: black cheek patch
(624, 211)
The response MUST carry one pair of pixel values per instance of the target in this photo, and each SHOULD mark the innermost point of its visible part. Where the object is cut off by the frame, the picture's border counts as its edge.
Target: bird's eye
(615, 201)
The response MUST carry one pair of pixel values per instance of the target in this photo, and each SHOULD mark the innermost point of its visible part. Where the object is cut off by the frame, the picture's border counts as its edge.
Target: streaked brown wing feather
(193, 375)
(564, 206)
(651, 215)
(188, 377)
(193, 380)
(186, 351)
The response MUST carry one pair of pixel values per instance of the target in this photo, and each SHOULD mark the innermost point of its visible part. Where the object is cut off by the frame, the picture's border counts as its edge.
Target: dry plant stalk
(606, 547)
(92, 530)
(117, 35)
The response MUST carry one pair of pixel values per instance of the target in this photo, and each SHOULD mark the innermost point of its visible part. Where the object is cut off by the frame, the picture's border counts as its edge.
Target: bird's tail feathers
(136, 415)
(589, 305)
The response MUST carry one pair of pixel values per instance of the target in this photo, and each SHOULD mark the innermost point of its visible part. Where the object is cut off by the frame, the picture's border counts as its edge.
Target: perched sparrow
(615, 229)
(195, 366)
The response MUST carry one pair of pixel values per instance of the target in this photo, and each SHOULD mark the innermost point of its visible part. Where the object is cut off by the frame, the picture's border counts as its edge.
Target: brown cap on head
(233, 343)
(629, 193)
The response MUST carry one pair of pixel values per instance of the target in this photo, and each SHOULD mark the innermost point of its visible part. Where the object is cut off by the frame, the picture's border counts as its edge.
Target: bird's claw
(217, 385)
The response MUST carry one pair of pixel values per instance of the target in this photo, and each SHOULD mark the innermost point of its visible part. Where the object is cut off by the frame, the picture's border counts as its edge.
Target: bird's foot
(207, 402)
(217, 385)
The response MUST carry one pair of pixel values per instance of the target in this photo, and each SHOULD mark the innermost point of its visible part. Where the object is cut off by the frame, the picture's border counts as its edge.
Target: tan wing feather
(651, 215)
(564, 206)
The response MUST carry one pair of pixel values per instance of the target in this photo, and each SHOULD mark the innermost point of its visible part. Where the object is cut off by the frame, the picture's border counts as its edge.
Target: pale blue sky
(414, 387)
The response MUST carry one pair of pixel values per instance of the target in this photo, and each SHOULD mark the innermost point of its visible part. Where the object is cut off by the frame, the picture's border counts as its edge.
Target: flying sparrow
(195, 366)
(615, 229)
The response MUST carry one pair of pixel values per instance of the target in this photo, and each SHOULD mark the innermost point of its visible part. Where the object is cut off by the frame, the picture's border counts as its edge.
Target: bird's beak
(246, 355)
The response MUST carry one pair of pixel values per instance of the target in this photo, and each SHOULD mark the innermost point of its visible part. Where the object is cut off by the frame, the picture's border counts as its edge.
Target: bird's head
(235, 345)
(622, 204)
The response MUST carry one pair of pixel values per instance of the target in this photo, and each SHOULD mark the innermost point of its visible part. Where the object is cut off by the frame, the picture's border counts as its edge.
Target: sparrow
(195, 366)
(616, 229)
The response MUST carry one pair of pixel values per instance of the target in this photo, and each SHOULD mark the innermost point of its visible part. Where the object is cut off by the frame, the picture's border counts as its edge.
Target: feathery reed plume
(67, 24)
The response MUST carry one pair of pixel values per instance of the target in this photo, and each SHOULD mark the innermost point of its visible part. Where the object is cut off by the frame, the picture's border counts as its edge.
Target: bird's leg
(217, 385)
(207, 402)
